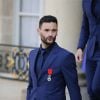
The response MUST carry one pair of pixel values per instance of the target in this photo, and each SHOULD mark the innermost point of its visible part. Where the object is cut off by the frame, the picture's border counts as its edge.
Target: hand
(79, 55)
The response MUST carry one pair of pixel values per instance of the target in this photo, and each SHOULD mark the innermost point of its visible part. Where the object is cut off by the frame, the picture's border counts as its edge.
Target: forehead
(49, 25)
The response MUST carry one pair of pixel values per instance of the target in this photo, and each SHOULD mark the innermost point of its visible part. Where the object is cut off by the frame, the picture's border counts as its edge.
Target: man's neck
(44, 46)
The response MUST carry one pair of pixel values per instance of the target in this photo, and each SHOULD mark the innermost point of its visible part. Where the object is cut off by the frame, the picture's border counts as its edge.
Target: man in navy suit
(90, 37)
(52, 68)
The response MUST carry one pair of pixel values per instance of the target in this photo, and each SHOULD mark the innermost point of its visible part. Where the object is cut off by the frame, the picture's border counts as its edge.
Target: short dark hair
(48, 19)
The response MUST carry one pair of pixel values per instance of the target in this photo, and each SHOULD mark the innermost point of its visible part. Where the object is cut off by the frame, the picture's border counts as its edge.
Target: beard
(49, 40)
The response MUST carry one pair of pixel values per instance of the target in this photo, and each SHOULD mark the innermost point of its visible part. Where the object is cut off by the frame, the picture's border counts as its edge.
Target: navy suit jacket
(89, 28)
(63, 65)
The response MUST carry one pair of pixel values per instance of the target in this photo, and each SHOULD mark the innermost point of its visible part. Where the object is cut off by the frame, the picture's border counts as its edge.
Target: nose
(50, 33)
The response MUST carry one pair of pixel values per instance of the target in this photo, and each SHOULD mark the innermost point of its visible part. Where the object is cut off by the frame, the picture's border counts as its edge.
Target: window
(6, 21)
(28, 13)
(19, 22)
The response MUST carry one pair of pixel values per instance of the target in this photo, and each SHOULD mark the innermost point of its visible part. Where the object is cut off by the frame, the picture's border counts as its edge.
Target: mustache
(44, 40)
(50, 37)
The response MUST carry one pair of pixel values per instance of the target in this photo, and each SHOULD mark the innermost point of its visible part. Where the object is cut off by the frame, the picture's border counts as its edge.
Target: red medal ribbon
(50, 71)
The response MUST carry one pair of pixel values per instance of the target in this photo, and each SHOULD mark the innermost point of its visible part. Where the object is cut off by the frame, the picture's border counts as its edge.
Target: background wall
(69, 14)
(0, 19)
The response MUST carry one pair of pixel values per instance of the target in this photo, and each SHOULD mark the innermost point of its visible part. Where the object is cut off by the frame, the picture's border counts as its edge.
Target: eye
(46, 30)
(54, 30)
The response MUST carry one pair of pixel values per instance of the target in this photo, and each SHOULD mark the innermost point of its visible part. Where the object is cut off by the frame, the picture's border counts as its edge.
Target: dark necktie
(41, 59)
(40, 62)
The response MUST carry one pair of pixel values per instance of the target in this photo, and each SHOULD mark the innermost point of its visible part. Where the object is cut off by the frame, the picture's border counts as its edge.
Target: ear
(38, 30)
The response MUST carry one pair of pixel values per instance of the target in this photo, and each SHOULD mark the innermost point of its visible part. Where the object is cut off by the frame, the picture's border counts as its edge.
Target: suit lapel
(49, 60)
(88, 7)
(92, 7)
(91, 1)
(33, 66)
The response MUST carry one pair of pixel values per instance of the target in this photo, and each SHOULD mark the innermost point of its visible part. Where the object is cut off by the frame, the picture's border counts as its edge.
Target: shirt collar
(46, 50)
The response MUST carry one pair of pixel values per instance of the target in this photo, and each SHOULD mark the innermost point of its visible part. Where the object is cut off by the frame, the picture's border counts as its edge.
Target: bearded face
(48, 33)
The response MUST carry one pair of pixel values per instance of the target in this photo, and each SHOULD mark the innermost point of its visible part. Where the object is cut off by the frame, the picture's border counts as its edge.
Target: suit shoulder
(65, 52)
(67, 55)
(33, 51)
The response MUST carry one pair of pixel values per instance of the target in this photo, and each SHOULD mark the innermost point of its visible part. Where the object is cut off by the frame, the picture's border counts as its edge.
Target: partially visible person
(51, 68)
(90, 38)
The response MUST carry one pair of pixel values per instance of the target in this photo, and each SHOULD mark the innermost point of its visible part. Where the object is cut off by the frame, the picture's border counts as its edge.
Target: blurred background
(18, 35)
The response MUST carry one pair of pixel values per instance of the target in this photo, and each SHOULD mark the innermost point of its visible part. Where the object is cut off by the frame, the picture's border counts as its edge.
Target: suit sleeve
(70, 75)
(84, 34)
(30, 85)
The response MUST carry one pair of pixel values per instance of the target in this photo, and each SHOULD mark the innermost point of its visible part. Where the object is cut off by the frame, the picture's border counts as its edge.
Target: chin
(50, 42)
